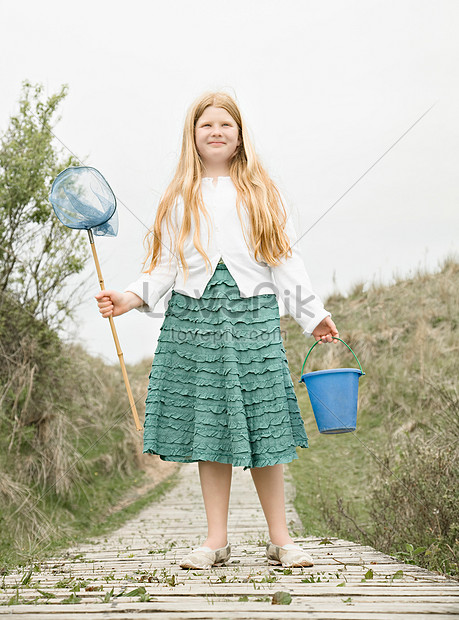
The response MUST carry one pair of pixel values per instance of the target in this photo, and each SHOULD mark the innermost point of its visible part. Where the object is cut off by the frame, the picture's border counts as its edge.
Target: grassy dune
(394, 482)
(69, 451)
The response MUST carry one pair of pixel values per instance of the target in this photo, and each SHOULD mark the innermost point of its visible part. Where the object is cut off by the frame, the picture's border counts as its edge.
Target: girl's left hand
(325, 330)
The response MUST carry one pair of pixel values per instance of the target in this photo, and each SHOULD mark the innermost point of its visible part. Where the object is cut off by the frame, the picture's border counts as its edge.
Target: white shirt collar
(218, 178)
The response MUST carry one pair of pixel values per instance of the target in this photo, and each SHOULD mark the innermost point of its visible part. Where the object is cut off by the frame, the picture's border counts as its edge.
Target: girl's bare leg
(216, 485)
(269, 482)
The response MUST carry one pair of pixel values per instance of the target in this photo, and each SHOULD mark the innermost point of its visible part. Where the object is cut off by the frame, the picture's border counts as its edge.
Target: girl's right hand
(113, 303)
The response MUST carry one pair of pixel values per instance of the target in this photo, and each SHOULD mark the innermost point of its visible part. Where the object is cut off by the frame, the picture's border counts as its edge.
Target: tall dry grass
(396, 483)
(65, 425)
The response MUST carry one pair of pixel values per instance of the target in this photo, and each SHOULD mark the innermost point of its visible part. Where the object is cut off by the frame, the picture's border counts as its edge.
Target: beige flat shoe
(205, 557)
(288, 555)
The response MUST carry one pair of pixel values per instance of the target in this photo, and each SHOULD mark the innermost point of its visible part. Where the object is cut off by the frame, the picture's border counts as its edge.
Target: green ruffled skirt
(220, 387)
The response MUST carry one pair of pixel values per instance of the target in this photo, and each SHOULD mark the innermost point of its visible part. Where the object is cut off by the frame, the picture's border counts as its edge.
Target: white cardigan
(289, 279)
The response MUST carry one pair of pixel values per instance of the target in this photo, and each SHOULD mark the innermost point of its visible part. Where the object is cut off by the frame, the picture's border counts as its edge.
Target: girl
(220, 391)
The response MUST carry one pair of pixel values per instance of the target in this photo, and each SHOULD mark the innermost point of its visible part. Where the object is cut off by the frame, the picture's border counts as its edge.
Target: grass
(69, 451)
(394, 482)
(73, 523)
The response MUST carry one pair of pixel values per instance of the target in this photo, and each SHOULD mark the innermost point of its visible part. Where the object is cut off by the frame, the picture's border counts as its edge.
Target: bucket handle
(333, 338)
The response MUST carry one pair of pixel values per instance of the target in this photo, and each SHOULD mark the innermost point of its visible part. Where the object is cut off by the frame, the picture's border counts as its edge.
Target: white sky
(326, 88)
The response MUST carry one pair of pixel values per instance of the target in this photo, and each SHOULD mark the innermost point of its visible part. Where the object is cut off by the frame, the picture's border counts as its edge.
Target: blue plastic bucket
(334, 395)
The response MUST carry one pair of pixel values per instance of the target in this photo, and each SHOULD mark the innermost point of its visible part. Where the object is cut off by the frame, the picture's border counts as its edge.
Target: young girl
(220, 391)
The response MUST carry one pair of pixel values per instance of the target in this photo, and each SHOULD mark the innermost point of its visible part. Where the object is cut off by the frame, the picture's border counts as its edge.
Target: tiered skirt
(220, 388)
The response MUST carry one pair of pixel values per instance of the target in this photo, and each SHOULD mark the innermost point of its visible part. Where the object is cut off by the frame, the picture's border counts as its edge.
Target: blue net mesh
(83, 199)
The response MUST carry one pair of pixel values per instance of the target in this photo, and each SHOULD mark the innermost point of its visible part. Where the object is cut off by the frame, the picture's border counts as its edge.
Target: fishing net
(83, 199)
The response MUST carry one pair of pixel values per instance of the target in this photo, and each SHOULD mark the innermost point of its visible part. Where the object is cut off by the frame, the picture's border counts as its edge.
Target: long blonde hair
(255, 189)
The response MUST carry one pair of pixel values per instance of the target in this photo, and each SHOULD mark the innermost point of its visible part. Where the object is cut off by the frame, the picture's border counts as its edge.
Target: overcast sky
(325, 88)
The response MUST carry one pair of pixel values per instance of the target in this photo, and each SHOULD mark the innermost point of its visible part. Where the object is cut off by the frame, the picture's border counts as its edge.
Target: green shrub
(394, 482)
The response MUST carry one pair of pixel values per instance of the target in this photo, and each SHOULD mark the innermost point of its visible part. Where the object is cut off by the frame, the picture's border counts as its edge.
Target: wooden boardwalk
(135, 572)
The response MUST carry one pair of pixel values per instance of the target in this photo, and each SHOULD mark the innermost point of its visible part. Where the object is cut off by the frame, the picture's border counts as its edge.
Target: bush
(414, 505)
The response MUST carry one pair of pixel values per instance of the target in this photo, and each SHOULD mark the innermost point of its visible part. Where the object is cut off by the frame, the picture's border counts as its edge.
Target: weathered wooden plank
(244, 615)
(239, 615)
(239, 589)
(327, 599)
(348, 608)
